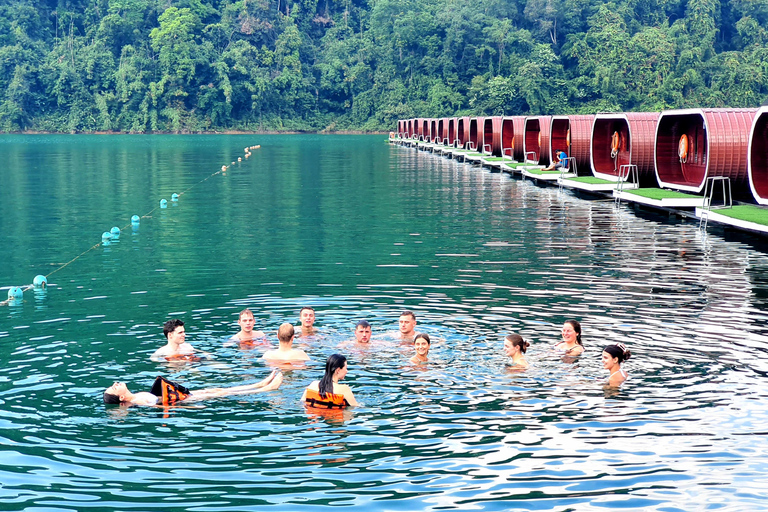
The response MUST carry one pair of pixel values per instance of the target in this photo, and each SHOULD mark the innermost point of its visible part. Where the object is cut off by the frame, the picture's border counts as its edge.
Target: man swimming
(246, 321)
(307, 319)
(177, 348)
(363, 332)
(285, 352)
(407, 326)
(165, 392)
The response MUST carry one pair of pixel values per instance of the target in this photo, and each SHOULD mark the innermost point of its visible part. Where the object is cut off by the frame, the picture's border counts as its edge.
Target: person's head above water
(335, 370)
(363, 331)
(572, 332)
(115, 393)
(515, 340)
(618, 351)
(407, 323)
(307, 317)
(171, 326)
(285, 333)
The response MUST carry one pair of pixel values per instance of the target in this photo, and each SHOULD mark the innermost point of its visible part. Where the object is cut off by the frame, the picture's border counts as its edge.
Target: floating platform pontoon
(660, 198)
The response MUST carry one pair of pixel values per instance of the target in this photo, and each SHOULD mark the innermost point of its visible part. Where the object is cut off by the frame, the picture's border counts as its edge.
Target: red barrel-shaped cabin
(463, 130)
(432, 129)
(492, 135)
(572, 134)
(536, 146)
(624, 139)
(758, 156)
(476, 132)
(695, 144)
(439, 137)
(512, 135)
(452, 126)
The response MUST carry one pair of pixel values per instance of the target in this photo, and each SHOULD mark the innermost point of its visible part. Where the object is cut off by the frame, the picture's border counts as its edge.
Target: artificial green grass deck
(592, 180)
(745, 212)
(541, 172)
(660, 193)
(494, 159)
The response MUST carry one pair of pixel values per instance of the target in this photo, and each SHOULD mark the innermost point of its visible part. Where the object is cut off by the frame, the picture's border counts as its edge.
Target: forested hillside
(206, 65)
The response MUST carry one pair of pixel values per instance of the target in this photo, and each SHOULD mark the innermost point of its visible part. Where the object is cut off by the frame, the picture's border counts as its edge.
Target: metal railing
(709, 192)
(565, 169)
(626, 172)
(534, 159)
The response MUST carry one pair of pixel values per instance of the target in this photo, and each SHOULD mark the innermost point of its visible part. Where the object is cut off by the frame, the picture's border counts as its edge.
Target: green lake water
(359, 229)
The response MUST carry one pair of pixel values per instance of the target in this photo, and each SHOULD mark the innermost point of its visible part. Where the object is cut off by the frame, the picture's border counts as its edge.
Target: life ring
(682, 148)
(614, 144)
(539, 140)
(568, 138)
(391, 135)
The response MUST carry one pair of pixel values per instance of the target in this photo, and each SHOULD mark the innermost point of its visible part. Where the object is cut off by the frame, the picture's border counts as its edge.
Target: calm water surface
(362, 230)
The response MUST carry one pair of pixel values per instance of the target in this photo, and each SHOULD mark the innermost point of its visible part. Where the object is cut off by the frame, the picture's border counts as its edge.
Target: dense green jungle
(145, 66)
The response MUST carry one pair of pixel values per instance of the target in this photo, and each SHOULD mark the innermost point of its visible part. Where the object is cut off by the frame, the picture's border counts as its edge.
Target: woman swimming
(613, 356)
(421, 345)
(515, 346)
(571, 344)
(165, 392)
(327, 393)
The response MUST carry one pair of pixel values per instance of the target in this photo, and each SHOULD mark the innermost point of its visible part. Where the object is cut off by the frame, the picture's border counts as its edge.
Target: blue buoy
(15, 293)
(115, 232)
(163, 203)
(174, 197)
(40, 281)
(135, 219)
(106, 236)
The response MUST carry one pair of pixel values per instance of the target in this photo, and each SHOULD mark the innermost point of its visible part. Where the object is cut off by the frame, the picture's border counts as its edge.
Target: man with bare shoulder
(363, 332)
(407, 326)
(307, 319)
(285, 352)
(177, 348)
(246, 321)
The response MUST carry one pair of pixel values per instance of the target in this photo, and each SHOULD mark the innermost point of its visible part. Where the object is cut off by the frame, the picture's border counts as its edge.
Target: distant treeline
(206, 65)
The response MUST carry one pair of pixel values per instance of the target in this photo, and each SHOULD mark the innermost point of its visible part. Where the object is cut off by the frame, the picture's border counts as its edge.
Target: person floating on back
(165, 392)
(285, 352)
(328, 393)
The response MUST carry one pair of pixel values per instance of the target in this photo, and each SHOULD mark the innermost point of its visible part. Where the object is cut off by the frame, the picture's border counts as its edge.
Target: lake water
(362, 230)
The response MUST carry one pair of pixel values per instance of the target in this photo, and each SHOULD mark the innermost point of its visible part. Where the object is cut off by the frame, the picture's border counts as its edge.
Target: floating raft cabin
(695, 144)
(758, 156)
(536, 146)
(624, 139)
(572, 134)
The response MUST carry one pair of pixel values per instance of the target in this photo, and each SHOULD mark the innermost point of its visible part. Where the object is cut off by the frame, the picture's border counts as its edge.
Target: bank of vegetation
(208, 65)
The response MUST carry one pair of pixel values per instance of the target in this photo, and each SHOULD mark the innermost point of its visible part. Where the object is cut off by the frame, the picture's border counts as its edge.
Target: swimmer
(165, 392)
(285, 352)
(177, 348)
(327, 393)
(421, 345)
(307, 319)
(515, 346)
(407, 326)
(571, 344)
(363, 332)
(613, 356)
(246, 321)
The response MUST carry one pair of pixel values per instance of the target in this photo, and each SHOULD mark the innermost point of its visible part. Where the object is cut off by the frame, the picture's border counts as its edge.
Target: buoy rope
(146, 215)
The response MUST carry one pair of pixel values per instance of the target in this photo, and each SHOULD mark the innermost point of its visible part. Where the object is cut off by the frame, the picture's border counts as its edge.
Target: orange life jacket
(331, 400)
(183, 357)
(168, 392)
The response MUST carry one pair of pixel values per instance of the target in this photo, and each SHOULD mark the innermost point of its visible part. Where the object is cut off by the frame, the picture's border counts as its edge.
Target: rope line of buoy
(16, 293)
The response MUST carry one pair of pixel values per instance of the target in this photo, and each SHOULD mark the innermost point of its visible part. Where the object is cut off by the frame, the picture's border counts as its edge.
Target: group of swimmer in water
(328, 392)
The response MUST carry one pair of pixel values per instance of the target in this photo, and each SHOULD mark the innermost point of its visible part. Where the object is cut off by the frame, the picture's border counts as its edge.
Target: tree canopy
(205, 65)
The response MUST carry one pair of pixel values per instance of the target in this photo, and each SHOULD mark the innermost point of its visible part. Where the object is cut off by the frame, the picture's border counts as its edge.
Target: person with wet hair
(307, 319)
(328, 393)
(613, 356)
(421, 345)
(165, 392)
(515, 346)
(571, 344)
(176, 348)
(407, 324)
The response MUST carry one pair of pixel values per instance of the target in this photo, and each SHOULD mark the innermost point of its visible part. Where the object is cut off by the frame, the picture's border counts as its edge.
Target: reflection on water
(360, 230)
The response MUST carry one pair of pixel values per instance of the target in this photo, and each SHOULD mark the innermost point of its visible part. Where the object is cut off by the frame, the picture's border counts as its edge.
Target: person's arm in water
(345, 390)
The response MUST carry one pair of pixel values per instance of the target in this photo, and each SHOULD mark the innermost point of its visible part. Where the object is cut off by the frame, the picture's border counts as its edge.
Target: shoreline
(223, 132)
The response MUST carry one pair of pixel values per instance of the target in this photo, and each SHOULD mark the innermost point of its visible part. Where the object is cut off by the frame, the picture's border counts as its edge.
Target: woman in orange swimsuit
(613, 356)
(327, 393)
